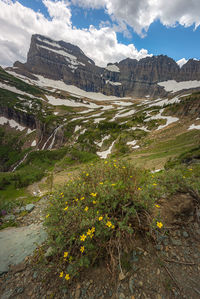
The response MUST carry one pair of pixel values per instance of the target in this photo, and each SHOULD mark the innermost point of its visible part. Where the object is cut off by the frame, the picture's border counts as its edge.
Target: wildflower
(154, 184)
(159, 224)
(66, 254)
(67, 277)
(97, 212)
(113, 184)
(89, 232)
(100, 218)
(61, 193)
(183, 177)
(157, 206)
(82, 198)
(66, 202)
(61, 274)
(86, 209)
(91, 236)
(124, 167)
(83, 237)
(131, 176)
(76, 199)
(47, 215)
(94, 202)
(87, 174)
(70, 258)
(66, 208)
(190, 169)
(139, 189)
(101, 183)
(93, 229)
(112, 226)
(93, 194)
(82, 249)
(109, 224)
(106, 162)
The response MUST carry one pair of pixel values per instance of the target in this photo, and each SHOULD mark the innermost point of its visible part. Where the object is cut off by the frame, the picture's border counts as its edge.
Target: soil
(164, 265)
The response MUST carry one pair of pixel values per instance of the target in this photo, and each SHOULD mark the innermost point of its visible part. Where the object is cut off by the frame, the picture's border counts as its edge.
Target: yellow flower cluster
(100, 218)
(159, 224)
(157, 206)
(67, 277)
(86, 209)
(82, 249)
(83, 237)
(109, 224)
(66, 208)
(93, 194)
(66, 254)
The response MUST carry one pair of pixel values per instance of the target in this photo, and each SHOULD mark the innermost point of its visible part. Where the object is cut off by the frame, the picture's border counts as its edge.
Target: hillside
(108, 160)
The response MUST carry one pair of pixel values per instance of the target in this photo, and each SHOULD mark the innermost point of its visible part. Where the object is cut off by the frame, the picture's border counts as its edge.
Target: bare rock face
(59, 60)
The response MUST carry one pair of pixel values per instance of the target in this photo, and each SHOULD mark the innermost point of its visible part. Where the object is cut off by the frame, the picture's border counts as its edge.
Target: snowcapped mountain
(61, 61)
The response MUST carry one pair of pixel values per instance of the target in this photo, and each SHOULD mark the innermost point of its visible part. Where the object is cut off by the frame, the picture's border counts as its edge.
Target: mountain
(58, 60)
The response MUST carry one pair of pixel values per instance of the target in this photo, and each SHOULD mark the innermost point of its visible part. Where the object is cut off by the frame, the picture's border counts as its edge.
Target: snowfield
(173, 86)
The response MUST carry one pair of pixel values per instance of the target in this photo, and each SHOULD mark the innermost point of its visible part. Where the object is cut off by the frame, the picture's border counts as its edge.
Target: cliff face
(59, 60)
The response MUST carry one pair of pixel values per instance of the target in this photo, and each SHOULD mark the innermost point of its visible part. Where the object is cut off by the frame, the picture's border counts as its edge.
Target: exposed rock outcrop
(59, 60)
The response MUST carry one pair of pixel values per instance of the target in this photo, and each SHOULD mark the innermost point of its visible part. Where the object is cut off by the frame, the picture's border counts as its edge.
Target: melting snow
(77, 128)
(104, 154)
(102, 141)
(12, 123)
(14, 89)
(161, 103)
(192, 127)
(113, 83)
(173, 86)
(97, 120)
(66, 102)
(113, 68)
(33, 143)
(30, 131)
(169, 119)
(181, 62)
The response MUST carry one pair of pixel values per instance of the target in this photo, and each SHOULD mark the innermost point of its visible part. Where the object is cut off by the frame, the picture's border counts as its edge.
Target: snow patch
(12, 123)
(102, 141)
(113, 68)
(113, 83)
(33, 143)
(104, 154)
(181, 62)
(97, 120)
(169, 119)
(173, 86)
(193, 126)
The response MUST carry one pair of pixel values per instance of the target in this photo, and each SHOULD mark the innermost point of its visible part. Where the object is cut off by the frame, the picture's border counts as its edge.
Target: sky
(106, 30)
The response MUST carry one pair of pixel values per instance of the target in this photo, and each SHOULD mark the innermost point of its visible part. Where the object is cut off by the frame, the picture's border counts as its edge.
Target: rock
(49, 252)
(9, 217)
(122, 296)
(176, 242)
(78, 291)
(30, 207)
(134, 77)
(121, 276)
(18, 268)
(159, 247)
(131, 285)
(185, 234)
(158, 272)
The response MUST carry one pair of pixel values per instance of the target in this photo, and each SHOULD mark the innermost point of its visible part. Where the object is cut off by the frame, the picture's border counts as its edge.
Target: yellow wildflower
(106, 162)
(83, 237)
(67, 277)
(190, 169)
(113, 184)
(139, 189)
(61, 274)
(94, 202)
(87, 174)
(109, 224)
(154, 184)
(76, 199)
(82, 198)
(92, 235)
(93, 194)
(86, 209)
(157, 206)
(66, 202)
(93, 229)
(47, 215)
(131, 176)
(82, 249)
(89, 232)
(66, 254)
(112, 226)
(101, 183)
(100, 218)
(123, 167)
(159, 224)
(66, 208)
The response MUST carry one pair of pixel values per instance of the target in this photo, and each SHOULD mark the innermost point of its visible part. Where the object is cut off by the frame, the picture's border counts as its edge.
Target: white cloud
(140, 14)
(18, 23)
(181, 62)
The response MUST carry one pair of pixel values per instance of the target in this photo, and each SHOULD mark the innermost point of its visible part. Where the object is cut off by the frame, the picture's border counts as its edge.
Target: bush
(99, 212)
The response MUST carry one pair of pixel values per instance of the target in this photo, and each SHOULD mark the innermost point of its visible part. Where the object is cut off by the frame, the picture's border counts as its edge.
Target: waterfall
(21, 161)
(52, 136)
